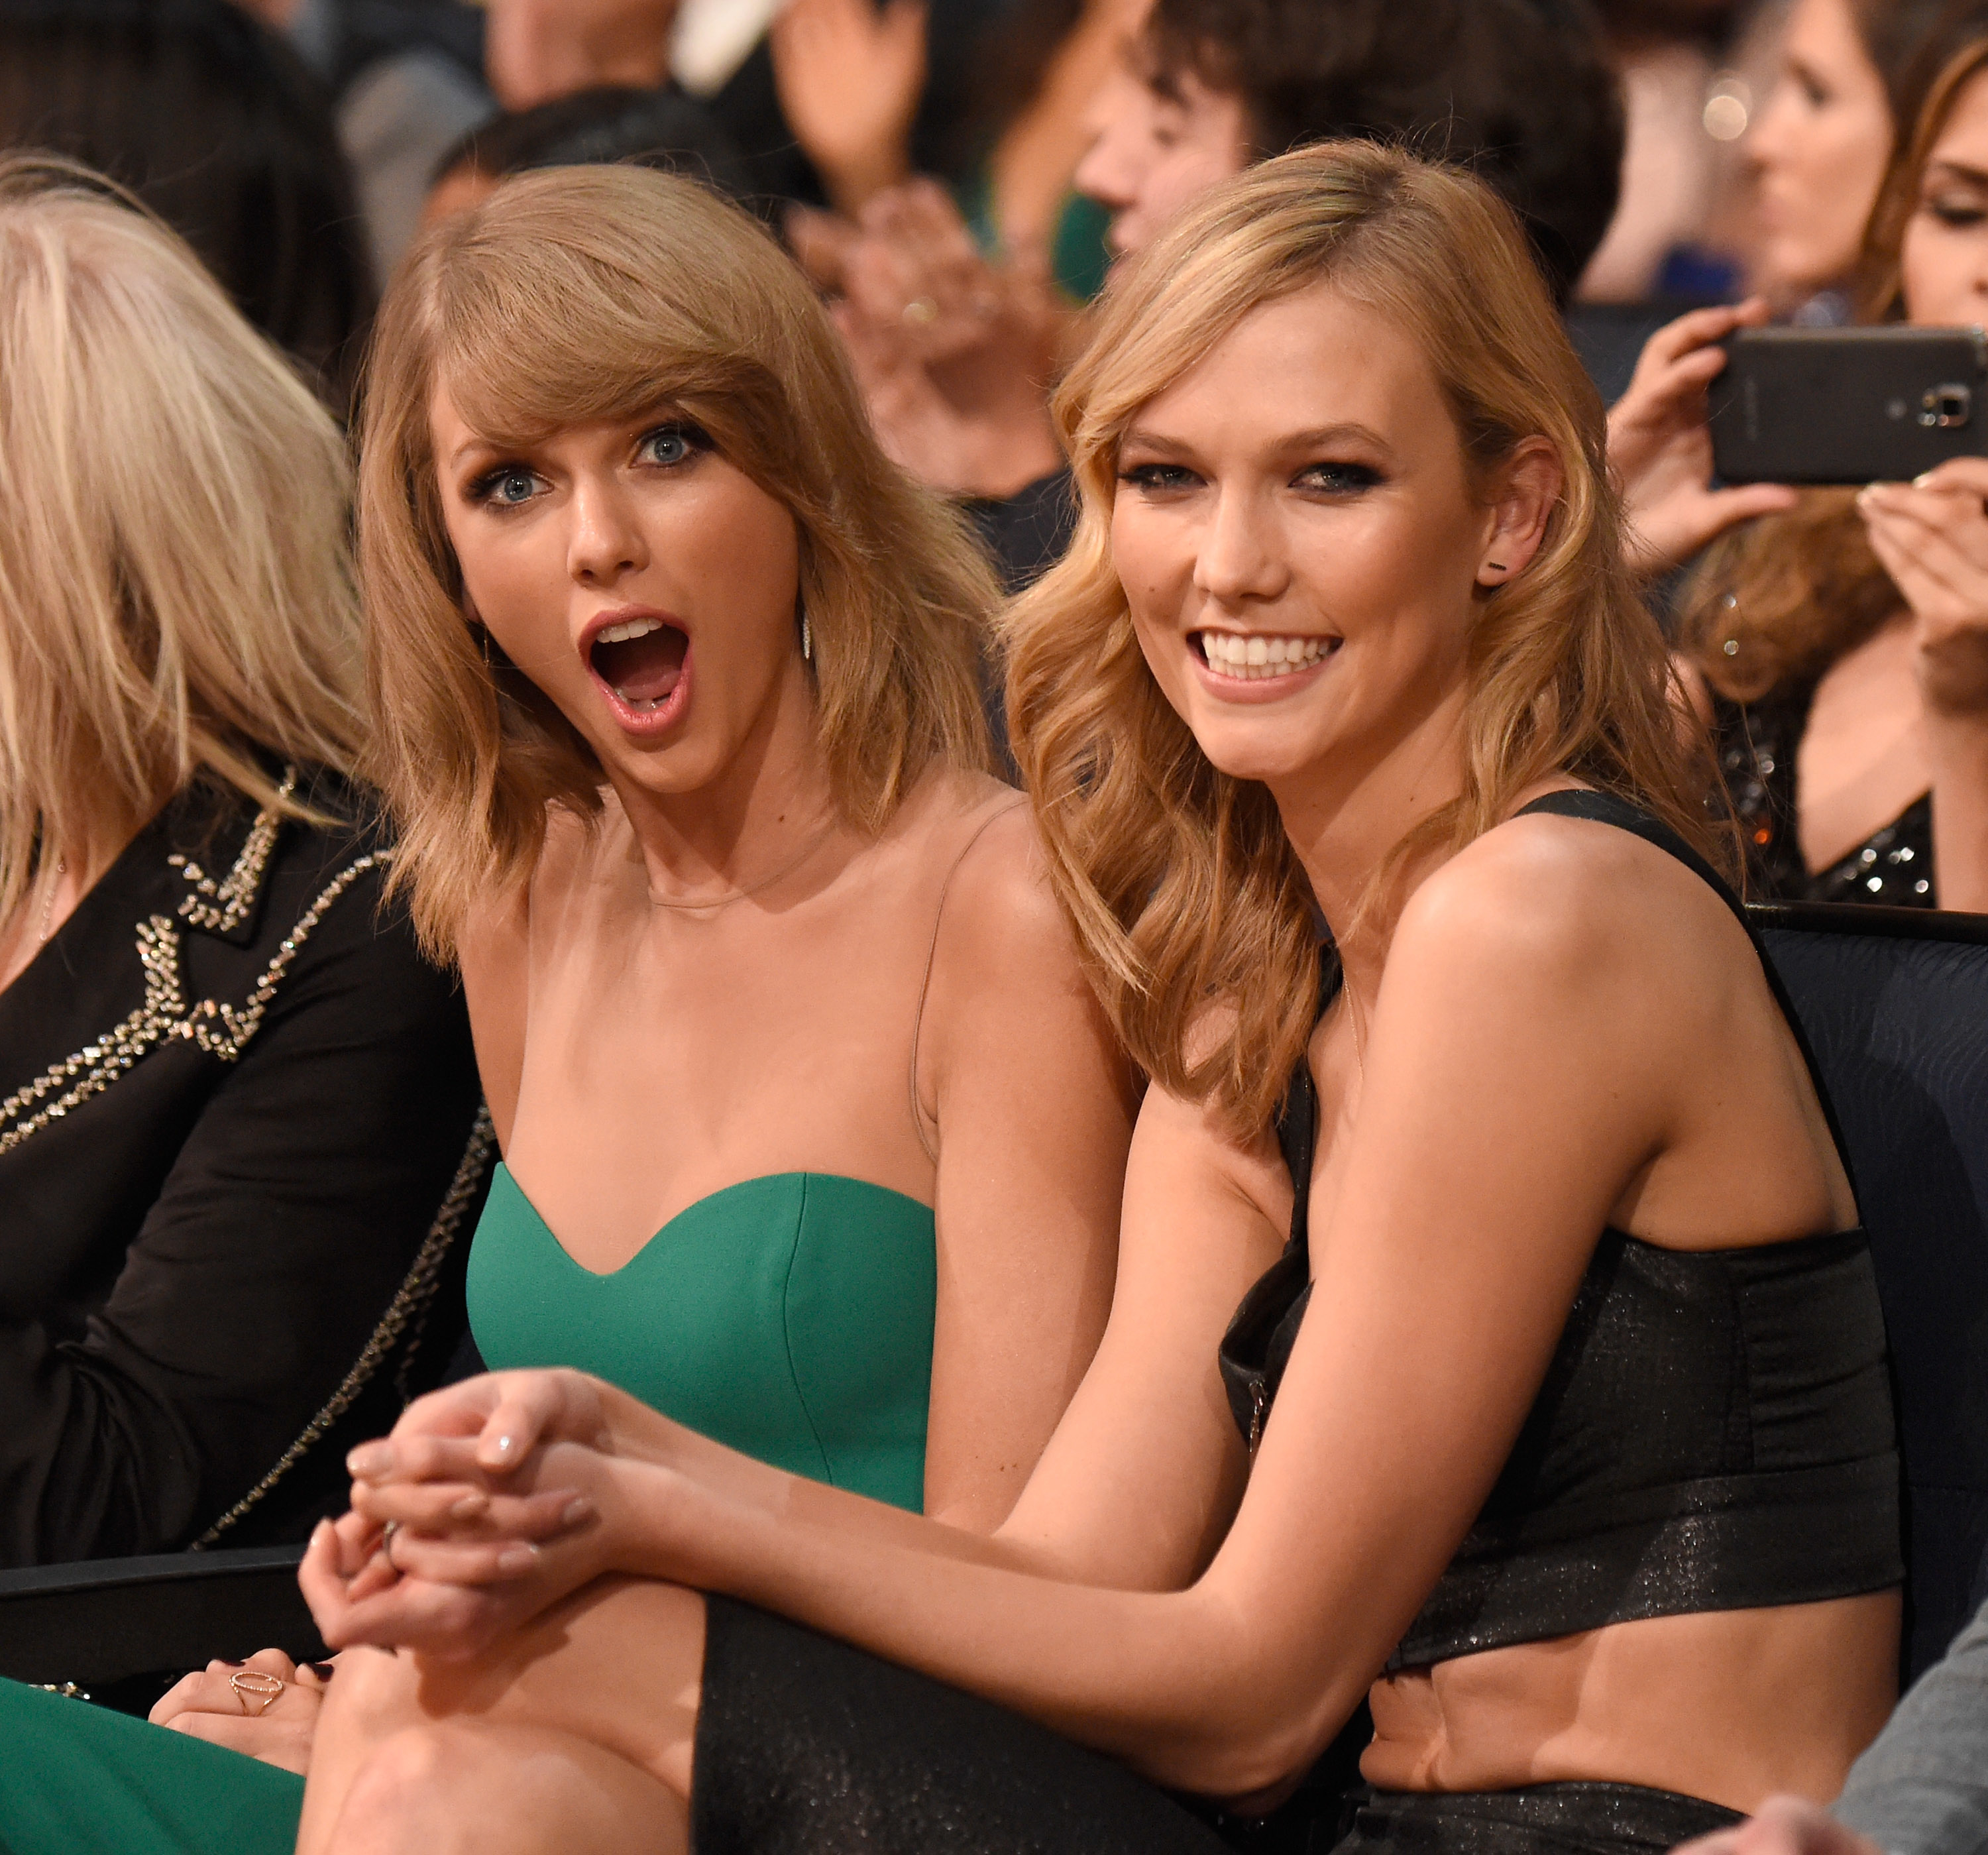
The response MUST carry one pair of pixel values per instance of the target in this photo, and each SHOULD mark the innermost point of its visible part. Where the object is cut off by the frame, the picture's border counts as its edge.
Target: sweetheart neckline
(670, 1224)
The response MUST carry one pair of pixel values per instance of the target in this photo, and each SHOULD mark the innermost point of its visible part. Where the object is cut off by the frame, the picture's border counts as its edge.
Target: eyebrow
(1317, 437)
(1956, 170)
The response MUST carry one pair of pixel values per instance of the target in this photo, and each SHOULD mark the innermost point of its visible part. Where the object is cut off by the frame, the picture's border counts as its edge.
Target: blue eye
(669, 445)
(509, 486)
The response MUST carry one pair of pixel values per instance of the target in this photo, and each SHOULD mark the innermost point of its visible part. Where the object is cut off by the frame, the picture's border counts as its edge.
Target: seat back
(1894, 1004)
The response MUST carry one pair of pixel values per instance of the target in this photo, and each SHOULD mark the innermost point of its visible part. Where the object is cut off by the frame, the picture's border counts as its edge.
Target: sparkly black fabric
(1715, 1431)
(1541, 1820)
(805, 1746)
(1756, 743)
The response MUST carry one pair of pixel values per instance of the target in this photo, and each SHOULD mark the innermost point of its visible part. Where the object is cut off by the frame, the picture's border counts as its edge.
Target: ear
(1524, 493)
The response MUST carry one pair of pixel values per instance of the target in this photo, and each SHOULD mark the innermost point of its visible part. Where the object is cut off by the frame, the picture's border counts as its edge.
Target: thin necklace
(765, 882)
(49, 905)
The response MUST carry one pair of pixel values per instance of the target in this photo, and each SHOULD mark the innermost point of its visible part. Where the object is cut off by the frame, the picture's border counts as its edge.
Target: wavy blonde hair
(579, 294)
(1189, 903)
(176, 596)
(1781, 598)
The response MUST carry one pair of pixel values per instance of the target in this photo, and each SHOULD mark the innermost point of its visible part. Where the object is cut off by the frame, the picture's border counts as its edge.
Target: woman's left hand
(1931, 536)
(442, 1554)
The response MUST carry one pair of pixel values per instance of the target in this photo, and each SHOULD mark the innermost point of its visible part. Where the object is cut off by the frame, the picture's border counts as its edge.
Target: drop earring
(807, 640)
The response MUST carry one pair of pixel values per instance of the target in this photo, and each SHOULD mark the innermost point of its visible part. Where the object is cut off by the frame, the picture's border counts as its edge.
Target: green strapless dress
(790, 1317)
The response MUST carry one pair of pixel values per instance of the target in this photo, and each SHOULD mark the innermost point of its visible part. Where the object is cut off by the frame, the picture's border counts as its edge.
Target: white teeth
(621, 633)
(1254, 657)
(642, 705)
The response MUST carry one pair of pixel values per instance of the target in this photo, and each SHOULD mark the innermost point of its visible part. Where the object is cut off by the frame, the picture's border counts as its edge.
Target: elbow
(1252, 1756)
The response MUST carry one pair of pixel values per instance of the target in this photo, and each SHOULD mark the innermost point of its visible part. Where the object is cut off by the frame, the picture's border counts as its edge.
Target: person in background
(1853, 75)
(213, 121)
(239, 1128)
(653, 128)
(1839, 642)
(1521, 94)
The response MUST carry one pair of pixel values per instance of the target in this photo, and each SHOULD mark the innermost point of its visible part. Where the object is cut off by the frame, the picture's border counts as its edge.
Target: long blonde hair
(1779, 598)
(579, 294)
(176, 597)
(1183, 890)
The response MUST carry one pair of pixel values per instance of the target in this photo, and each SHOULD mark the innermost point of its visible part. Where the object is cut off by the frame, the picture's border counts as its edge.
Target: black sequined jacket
(1755, 743)
(241, 1146)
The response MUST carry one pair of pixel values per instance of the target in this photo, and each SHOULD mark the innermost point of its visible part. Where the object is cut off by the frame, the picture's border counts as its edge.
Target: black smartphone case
(1848, 405)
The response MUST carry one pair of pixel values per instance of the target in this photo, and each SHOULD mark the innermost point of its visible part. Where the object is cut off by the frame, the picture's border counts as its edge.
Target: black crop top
(1714, 1431)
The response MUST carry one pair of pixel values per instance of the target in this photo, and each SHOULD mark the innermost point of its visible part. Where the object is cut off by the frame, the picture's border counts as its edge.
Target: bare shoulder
(1563, 898)
(979, 838)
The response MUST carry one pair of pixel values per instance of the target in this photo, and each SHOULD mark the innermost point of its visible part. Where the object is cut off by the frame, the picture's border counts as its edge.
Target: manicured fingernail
(469, 1506)
(514, 1559)
(577, 1509)
(323, 1670)
(1923, 480)
(226, 1663)
(369, 1460)
(505, 1445)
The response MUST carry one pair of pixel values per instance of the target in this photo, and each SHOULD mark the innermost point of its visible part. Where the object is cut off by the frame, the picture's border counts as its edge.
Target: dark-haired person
(1519, 91)
(660, 128)
(213, 121)
(1560, 1425)
(1839, 641)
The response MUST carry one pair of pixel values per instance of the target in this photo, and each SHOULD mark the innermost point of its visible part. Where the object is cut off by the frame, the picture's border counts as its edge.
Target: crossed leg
(576, 1733)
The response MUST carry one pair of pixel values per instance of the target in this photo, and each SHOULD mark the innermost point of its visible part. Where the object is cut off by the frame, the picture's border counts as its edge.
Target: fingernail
(468, 1505)
(577, 1509)
(324, 1671)
(506, 1445)
(226, 1663)
(369, 1460)
(517, 1559)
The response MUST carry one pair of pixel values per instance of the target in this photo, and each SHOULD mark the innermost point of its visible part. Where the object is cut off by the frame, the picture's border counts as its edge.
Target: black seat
(1895, 1002)
(123, 1629)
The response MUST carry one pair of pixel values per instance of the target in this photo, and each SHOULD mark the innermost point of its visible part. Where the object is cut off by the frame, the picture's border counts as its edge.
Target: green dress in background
(789, 1317)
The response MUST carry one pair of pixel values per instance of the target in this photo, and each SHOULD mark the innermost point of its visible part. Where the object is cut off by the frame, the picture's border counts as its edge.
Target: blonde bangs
(1189, 903)
(579, 295)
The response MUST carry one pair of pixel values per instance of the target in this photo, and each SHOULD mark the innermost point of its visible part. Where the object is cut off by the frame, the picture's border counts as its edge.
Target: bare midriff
(1731, 1706)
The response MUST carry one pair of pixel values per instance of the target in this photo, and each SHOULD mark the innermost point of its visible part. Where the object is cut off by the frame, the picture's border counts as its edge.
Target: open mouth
(1259, 658)
(641, 661)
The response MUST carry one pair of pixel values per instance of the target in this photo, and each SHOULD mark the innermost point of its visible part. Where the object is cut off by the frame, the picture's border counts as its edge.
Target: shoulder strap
(1606, 808)
(1297, 1115)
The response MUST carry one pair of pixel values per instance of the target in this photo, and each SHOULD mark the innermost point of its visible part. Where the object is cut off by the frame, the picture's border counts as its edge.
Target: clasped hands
(483, 1508)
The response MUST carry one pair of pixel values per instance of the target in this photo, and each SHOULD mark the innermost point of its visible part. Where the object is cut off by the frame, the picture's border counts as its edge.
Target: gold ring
(257, 1685)
(920, 311)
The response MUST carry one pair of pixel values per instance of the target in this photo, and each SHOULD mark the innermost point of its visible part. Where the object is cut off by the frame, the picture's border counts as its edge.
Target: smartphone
(1848, 405)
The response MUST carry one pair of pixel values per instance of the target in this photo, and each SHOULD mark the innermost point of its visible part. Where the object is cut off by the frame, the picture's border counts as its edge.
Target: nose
(606, 540)
(1239, 561)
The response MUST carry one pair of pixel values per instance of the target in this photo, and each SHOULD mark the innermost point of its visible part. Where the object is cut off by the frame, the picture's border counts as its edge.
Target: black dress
(241, 1135)
(1714, 1431)
(1755, 743)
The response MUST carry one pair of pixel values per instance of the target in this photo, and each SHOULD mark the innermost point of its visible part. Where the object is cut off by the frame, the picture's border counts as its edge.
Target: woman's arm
(1021, 1087)
(1548, 1015)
